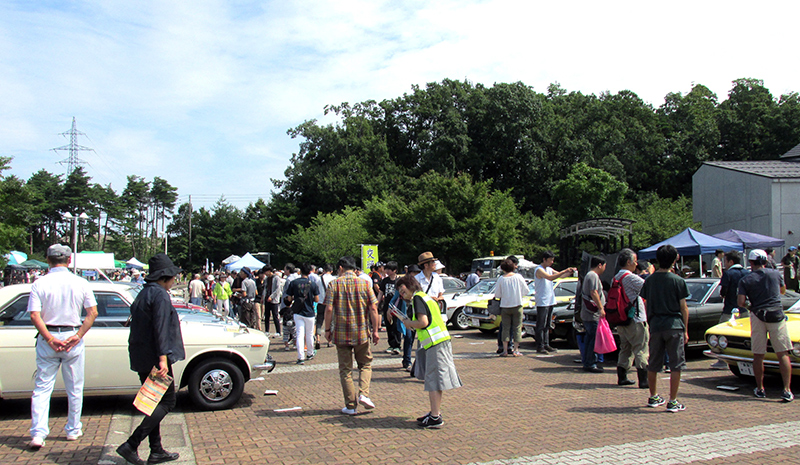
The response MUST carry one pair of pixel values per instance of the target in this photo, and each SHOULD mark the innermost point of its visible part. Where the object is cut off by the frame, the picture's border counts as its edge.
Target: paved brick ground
(509, 408)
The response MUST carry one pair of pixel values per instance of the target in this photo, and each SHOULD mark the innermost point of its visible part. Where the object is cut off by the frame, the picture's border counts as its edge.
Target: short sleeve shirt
(663, 292)
(436, 287)
(591, 282)
(763, 288)
(349, 298)
(60, 296)
(304, 287)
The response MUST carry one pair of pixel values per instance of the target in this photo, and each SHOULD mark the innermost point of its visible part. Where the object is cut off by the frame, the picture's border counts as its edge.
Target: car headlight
(723, 342)
(796, 349)
(712, 341)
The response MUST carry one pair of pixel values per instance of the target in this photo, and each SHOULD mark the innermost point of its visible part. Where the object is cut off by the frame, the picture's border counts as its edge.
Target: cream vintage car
(221, 355)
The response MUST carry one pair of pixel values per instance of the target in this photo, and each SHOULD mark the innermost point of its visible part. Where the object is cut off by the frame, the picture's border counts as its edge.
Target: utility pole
(72, 161)
(190, 232)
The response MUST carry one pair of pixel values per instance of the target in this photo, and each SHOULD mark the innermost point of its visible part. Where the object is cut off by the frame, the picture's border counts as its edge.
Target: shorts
(778, 336)
(670, 342)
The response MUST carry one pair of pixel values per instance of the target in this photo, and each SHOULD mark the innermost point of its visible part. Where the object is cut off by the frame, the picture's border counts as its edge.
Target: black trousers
(272, 309)
(151, 425)
(544, 315)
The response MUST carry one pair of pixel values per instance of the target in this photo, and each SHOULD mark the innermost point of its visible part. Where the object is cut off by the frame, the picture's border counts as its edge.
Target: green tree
(329, 237)
(745, 123)
(658, 218)
(455, 218)
(589, 193)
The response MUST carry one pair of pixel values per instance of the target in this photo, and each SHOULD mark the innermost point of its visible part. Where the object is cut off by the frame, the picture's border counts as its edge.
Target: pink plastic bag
(604, 340)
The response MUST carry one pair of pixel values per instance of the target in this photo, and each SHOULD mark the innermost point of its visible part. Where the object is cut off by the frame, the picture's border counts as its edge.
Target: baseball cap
(58, 250)
(757, 254)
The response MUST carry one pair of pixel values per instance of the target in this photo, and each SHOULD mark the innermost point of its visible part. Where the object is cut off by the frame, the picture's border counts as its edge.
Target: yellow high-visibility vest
(436, 332)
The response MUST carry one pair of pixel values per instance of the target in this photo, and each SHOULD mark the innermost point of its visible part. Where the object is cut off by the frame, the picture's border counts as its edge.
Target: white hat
(757, 255)
(438, 265)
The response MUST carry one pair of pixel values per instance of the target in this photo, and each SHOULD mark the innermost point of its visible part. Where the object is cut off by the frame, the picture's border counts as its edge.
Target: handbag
(493, 307)
(604, 340)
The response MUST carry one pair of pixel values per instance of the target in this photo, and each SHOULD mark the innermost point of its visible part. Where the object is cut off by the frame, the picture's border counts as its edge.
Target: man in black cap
(155, 341)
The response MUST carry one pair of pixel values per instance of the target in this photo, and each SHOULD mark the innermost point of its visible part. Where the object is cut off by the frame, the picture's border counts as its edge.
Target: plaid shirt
(350, 298)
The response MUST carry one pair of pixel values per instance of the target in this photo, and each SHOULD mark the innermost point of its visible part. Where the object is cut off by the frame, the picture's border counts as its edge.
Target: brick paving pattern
(523, 409)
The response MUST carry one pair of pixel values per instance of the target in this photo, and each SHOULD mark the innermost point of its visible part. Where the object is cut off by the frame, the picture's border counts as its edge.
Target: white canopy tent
(134, 263)
(247, 261)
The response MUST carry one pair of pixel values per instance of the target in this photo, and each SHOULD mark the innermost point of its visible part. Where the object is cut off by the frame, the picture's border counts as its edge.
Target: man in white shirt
(473, 278)
(546, 300)
(55, 305)
(430, 281)
(196, 290)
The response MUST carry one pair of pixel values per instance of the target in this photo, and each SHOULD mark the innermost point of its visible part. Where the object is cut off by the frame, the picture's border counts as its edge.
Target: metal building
(757, 196)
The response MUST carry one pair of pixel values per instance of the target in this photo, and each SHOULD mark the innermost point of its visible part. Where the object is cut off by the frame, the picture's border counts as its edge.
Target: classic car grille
(476, 311)
(744, 343)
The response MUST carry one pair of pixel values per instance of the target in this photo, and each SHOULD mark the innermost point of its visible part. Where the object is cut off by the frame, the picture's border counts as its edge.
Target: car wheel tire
(572, 338)
(487, 331)
(460, 320)
(216, 384)
(735, 370)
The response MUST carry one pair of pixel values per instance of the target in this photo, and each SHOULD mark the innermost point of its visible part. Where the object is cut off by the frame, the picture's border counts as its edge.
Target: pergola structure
(608, 234)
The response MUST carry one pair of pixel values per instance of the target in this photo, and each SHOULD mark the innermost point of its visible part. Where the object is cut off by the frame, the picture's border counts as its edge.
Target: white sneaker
(74, 437)
(349, 411)
(364, 400)
(37, 442)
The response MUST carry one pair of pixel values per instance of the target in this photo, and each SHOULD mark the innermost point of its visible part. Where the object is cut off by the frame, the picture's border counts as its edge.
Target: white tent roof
(231, 259)
(247, 261)
(134, 261)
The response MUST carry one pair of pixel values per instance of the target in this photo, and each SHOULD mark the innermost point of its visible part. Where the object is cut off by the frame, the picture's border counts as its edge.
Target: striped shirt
(350, 298)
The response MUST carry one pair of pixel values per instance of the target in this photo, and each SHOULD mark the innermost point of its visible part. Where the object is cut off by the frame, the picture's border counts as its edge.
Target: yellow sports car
(479, 315)
(730, 342)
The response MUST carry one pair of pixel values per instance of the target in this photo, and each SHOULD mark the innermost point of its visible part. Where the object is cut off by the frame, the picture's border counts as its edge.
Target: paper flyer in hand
(151, 392)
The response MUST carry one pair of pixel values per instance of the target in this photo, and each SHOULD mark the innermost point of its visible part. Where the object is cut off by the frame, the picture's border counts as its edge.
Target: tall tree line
(128, 224)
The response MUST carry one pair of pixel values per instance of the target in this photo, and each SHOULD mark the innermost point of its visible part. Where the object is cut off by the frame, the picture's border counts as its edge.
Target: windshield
(484, 286)
(566, 289)
(697, 290)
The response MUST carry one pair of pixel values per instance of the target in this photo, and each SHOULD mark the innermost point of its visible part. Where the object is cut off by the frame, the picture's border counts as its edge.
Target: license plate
(746, 368)
(476, 322)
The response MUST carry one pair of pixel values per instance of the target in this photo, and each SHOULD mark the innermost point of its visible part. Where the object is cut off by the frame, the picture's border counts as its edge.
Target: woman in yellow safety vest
(434, 362)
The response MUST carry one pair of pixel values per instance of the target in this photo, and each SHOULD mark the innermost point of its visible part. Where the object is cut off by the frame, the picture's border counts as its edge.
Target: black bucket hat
(161, 266)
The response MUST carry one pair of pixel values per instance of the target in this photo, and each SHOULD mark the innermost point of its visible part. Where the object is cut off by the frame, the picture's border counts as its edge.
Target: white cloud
(202, 93)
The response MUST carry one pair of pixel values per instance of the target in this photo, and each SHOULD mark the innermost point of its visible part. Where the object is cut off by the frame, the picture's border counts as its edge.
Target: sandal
(517, 354)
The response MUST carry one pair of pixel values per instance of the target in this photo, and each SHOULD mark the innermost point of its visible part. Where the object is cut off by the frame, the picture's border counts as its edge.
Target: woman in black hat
(155, 341)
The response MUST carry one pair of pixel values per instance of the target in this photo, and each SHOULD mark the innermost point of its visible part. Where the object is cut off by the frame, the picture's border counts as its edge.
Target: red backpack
(619, 309)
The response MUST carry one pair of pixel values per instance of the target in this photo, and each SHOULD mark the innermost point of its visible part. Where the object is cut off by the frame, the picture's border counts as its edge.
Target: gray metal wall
(726, 199)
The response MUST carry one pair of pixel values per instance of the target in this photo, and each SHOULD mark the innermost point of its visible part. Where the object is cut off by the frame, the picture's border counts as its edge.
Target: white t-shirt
(436, 287)
(510, 290)
(60, 296)
(545, 297)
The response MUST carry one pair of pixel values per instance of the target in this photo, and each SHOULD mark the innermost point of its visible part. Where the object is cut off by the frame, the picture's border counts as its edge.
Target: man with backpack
(626, 309)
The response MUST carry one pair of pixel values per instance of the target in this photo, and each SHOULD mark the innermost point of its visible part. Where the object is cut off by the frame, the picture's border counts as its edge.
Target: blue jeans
(48, 362)
(589, 358)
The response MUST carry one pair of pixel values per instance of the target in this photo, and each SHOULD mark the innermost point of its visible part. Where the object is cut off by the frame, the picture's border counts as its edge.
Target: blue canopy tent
(750, 240)
(247, 261)
(690, 242)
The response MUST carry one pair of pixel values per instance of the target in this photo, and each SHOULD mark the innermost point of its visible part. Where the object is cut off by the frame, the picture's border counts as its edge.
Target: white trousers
(304, 333)
(223, 306)
(48, 362)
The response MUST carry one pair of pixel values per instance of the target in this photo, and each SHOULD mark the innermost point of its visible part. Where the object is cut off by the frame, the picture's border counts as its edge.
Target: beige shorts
(778, 336)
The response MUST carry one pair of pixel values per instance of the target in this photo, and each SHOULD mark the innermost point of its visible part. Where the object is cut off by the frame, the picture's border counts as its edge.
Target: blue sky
(201, 93)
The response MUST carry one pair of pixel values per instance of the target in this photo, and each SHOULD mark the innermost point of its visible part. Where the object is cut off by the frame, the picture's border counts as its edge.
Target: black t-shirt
(421, 308)
(387, 286)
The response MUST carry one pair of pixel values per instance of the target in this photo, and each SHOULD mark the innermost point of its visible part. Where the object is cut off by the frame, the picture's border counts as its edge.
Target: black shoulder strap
(429, 284)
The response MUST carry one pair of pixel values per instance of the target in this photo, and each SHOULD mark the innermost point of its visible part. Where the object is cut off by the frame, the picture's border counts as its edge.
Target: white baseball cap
(757, 255)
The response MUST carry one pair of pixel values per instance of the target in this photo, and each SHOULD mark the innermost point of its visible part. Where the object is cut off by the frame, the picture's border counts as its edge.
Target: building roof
(766, 168)
(794, 152)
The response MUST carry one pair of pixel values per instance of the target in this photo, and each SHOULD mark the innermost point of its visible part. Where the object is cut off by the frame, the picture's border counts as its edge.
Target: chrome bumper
(268, 365)
(738, 358)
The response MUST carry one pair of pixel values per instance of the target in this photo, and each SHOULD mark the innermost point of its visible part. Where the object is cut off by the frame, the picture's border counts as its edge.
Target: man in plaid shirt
(348, 302)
